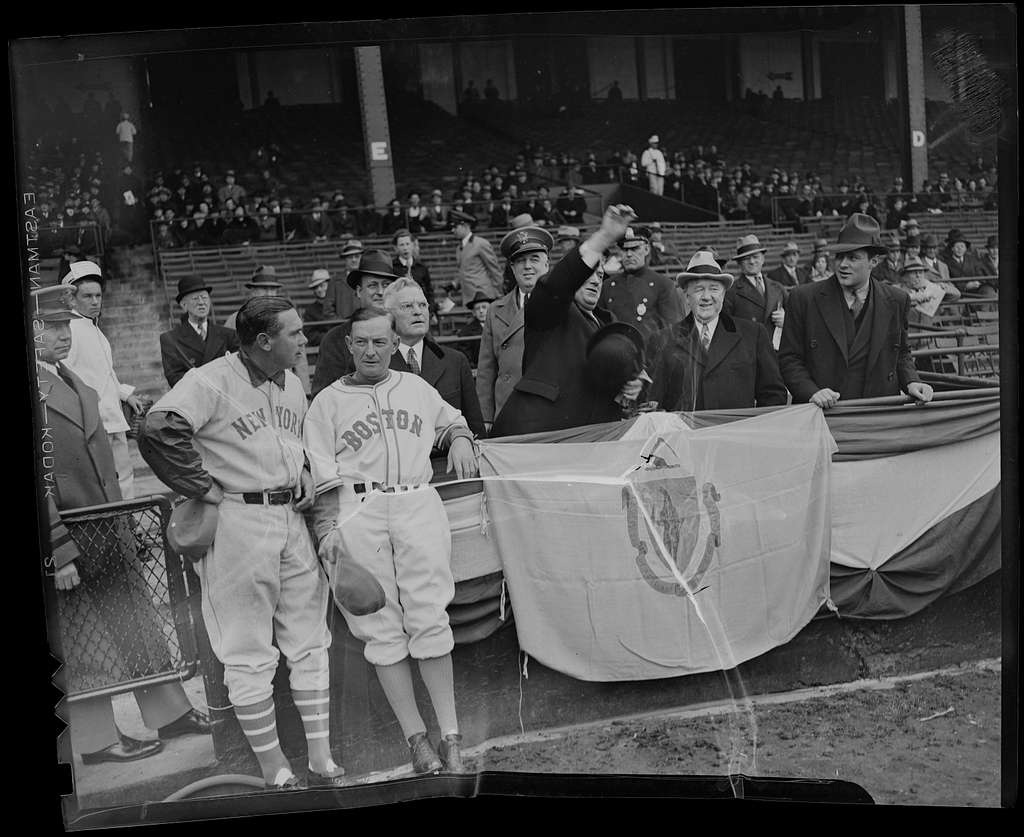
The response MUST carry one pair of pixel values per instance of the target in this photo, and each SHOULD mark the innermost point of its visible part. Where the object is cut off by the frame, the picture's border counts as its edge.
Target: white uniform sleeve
(195, 398)
(318, 434)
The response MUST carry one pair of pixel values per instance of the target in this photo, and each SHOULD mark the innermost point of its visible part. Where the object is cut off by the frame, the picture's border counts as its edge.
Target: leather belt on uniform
(364, 487)
(268, 498)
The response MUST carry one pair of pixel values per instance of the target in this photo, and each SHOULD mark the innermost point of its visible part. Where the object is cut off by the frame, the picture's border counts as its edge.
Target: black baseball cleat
(424, 759)
(451, 753)
(192, 722)
(127, 749)
(319, 780)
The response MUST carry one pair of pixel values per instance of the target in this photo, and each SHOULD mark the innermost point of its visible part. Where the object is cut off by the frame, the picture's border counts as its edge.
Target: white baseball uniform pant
(262, 580)
(404, 540)
(656, 182)
(123, 464)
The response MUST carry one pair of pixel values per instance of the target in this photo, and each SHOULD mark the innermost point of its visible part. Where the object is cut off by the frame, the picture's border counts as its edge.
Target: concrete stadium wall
(119, 78)
(297, 76)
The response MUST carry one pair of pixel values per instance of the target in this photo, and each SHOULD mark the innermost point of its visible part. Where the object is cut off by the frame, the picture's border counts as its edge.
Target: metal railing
(128, 623)
(86, 235)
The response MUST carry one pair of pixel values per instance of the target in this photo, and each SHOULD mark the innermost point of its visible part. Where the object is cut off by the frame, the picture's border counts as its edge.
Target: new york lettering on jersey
(255, 420)
(370, 426)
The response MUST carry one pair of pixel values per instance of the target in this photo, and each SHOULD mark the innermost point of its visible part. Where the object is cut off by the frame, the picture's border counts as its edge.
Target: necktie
(202, 332)
(760, 285)
(855, 306)
(414, 366)
(705, 336)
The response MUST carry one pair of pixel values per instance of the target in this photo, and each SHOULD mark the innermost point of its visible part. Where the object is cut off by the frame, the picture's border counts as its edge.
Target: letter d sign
(917, 138)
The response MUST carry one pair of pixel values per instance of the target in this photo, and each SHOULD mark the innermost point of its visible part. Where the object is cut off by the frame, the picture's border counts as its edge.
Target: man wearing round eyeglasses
(444, 369)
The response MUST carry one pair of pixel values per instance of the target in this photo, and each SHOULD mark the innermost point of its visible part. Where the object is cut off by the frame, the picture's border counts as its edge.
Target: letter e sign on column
(378, 151)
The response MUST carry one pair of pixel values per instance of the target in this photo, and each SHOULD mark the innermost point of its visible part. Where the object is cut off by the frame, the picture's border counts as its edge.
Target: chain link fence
(128, 623)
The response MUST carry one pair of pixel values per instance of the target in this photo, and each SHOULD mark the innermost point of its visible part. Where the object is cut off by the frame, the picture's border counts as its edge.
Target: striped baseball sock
(314, 707)
(259, 723)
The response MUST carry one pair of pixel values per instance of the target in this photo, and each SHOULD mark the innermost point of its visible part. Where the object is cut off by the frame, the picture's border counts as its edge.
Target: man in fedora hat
(930, 256)
(500, 362)
(196, 339)
(959, 261)
(652, 161)
(368, 281)
(790, 273)
(476, 266)
(661, 251)
(560, 316)
(98, 582)
(711, 361)
(339, 292)
(638, 295)
(988, 267)
(926, 291)
(566, 238)
(478, 307)
(888, 269)
(754, 296)
(847, 335)
(91, 358)
(321, 308)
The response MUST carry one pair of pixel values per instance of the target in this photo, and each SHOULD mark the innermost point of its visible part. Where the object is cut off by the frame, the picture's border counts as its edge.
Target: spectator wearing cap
(652, 161)
(93, 579)
(318, 223)
(566, 238)
(126, 133)
(639, 296)
(846, 337)
(478, 307)
(196, 339)
(662, 253)
(339, 291)
(755, 296)
(263, 282)
(560, 317)
(930, 256)
(230, 190)
(321, 308)
(90, 357)
(711, 361)
(446, 370)
(500, 359)
(368, 281)
(476, 266)
(790, 273)
(926, 291)
(406, 263)
(889, 268)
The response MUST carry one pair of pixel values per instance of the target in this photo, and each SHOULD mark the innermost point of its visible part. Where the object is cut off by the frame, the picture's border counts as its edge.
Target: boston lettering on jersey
(257, 419)
(370, 426)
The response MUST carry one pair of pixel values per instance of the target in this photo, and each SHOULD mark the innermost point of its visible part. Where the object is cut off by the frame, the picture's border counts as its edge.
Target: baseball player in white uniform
(230, 433)
(369, 437)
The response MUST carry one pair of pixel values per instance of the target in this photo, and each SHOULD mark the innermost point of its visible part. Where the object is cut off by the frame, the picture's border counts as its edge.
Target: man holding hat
(91, 359)
(339, 292)
(755, 296)
(711, 361)
(847, 335)
(114, 603)
(789, 273)
(196, 339)
(500, 362)
(560, 317)
(652, 161)
(639, 296)
(321, 308)
(476, 266)
(368, 281)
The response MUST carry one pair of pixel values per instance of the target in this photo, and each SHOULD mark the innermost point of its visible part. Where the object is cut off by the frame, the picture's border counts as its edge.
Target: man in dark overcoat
(846, 336)
(196, 339)
(755, 296)
(711, 361)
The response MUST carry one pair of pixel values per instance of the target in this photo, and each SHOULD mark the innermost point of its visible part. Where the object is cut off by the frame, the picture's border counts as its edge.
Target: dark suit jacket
(552, 393)
(181, 349)
(448, 372)
(781, 275)
(334, 358)
(743, 302)
(813, 354)
(419, 273)
(739, 369)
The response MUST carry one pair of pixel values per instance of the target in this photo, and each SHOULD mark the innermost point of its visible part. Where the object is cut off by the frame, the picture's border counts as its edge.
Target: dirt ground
(893, 742)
